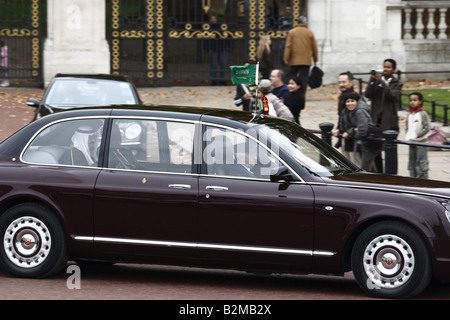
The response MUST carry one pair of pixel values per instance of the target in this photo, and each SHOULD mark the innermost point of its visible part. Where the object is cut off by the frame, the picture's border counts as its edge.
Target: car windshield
(306, 149)
(83, 92)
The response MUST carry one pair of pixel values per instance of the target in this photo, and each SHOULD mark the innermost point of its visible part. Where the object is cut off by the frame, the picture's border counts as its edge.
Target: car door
(69, 185)
(247, 219)
(150, 210)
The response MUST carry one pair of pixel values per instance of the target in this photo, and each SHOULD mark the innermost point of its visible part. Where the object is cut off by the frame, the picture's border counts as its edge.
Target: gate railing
(21, 30)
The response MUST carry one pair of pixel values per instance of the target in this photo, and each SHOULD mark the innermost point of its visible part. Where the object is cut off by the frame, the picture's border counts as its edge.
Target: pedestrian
(354, 125)
(300, 51)
(384, 91)
(273, 14)
(295, 99)
(345, 84)
(285, 24)
(245, 94)
(417, 128)
(4, 64)
(271, 104)
(217, 48)
(286, 21)
(280, 89)
(263, 54)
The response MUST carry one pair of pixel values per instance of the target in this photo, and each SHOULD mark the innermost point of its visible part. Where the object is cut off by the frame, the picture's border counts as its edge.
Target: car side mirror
(32, 102)
(282, 174)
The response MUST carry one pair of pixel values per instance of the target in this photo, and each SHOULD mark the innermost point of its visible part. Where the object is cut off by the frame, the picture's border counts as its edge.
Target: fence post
(390, 152)
(445, 115)
(325, 128)
(433, 110)
(400, 106)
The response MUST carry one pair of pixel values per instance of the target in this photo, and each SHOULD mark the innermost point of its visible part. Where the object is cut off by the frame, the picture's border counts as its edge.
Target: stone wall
(358, 35)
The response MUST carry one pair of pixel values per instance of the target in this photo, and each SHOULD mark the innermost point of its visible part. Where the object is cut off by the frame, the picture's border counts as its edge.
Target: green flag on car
(247, 74)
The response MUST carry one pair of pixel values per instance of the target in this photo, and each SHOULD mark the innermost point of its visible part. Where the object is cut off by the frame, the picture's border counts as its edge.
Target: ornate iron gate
(21, 30)
(173, 42)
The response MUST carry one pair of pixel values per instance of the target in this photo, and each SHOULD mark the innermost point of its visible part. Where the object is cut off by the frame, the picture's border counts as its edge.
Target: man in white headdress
(80, 151)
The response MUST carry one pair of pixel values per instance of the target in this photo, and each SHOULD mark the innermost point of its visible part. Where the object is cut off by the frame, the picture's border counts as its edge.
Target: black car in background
(67, 91)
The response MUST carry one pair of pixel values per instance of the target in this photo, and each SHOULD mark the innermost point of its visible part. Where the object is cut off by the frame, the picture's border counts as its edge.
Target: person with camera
(384, 91)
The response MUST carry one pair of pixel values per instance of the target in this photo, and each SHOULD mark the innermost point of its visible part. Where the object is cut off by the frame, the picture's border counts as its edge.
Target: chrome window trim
(207, 246)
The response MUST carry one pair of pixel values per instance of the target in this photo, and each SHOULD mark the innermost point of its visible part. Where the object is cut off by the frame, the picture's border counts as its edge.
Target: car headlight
(133, 131)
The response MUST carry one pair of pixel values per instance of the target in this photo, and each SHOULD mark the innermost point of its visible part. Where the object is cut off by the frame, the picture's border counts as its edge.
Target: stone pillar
(356, 35)
(76, 40)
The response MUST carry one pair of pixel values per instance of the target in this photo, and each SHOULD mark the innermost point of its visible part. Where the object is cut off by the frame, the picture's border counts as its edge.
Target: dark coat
(358, 118)
(247, 105)
(265, 64)
(281, 92)
(73, 156)
(295, 102)
(384, 102)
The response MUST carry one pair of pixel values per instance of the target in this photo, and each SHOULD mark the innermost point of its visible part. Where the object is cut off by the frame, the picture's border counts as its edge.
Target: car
(68, 91)
(216, 189)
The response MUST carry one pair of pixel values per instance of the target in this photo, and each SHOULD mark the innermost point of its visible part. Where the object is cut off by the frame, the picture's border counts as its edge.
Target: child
(417, 127)
(270, 103)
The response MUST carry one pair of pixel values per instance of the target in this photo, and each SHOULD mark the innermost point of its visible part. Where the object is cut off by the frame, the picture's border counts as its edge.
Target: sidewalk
(321, 106)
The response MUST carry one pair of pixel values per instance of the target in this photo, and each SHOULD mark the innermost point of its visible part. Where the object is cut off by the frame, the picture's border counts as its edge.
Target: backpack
(315, 78)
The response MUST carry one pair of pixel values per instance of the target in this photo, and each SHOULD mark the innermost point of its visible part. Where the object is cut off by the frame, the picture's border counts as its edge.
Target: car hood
(393, 182)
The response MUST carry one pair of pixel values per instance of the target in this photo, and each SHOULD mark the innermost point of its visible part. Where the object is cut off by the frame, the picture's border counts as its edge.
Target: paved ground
(320, 107)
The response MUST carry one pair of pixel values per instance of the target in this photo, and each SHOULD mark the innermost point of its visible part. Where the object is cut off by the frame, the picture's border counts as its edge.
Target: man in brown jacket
(300, 50)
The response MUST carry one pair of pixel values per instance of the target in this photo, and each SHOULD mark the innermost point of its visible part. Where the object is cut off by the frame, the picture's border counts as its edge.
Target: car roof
(98, 76)
(234, 118)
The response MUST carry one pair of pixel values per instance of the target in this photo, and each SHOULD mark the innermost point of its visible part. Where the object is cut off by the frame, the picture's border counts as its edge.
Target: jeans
(218, 61)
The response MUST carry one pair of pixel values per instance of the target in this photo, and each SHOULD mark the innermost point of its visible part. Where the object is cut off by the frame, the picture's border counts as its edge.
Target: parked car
(216, 188)
(68, 91)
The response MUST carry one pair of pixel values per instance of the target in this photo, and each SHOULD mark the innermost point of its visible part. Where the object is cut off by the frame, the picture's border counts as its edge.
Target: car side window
(74, 142)
(231, 153)
(152, 145)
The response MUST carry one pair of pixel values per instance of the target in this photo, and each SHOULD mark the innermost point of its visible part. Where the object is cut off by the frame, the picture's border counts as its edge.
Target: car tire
(34, 245)
(391, 260)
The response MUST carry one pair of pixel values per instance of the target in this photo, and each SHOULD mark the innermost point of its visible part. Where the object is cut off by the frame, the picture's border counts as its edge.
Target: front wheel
(390, 260)
(34, 245)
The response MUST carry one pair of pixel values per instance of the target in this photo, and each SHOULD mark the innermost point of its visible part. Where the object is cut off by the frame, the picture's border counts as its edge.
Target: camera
(377, 71)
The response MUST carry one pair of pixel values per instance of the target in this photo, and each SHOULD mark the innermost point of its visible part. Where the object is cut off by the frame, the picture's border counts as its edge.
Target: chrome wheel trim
(388, 261)
(27, 242)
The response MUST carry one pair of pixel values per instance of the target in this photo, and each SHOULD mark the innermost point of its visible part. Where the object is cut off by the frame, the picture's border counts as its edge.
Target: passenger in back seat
(79, 153)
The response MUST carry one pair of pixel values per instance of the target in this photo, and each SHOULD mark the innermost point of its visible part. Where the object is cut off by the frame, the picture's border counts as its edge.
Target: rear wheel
(391, 260)
(34, 244)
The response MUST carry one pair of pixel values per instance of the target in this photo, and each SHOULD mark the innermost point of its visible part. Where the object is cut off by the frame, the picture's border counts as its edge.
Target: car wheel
(390, 260)
(34, 245)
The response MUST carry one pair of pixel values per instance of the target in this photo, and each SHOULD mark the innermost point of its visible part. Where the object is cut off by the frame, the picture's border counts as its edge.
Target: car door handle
(179, 186)
(216, 188)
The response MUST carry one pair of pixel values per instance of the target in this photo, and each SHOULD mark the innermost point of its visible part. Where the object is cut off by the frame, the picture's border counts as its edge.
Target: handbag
(436, 136)
(374, 139)
(315, 78)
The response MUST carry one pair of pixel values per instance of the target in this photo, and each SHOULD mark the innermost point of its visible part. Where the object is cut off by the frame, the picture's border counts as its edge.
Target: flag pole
(256, 88)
